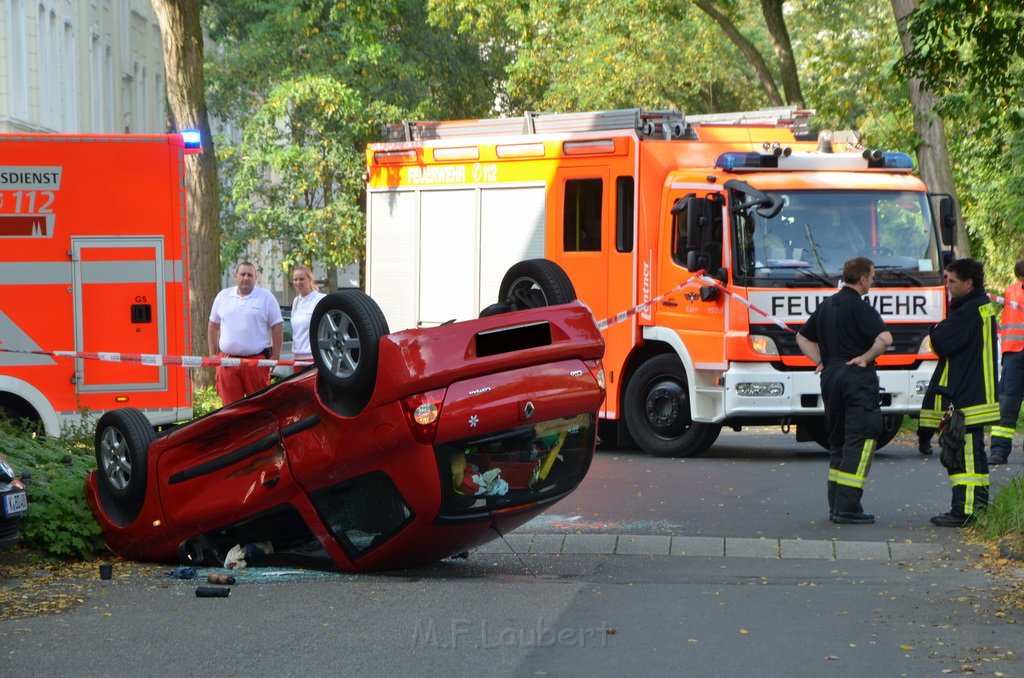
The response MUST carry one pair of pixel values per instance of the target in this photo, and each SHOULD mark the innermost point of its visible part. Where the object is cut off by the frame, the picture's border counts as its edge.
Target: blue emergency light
(897, 160)
(191, 138)
(738, 160)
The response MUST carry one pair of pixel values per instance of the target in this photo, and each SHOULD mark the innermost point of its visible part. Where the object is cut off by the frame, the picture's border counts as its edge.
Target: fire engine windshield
(816, 231)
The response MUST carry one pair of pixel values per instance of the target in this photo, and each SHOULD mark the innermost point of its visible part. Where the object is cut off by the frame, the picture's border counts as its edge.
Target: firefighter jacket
(1012, 331)
(967, 371)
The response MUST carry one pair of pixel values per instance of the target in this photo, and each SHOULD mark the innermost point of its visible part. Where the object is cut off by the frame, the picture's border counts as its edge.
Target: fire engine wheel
(347, 327)
(890, 427)
(657, 411)
(122, 457)
(533, 283)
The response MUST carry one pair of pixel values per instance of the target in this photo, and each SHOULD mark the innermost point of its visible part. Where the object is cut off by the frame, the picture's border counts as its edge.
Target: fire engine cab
(93, 259)
(705, 241)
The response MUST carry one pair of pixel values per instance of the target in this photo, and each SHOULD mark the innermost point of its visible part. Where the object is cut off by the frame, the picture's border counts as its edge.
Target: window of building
(17, 59)
(49, 51)
(581, 216)
(96, 78)
(69, 80)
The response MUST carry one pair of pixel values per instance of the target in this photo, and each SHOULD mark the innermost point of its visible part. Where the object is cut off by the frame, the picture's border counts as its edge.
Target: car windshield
(816, 231)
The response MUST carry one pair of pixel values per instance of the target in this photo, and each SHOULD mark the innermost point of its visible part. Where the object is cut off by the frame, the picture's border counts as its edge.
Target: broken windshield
(815, 232)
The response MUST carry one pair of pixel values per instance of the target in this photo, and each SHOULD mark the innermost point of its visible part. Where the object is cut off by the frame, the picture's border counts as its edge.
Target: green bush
(58, 521)
(205, 400)
(1003, 520)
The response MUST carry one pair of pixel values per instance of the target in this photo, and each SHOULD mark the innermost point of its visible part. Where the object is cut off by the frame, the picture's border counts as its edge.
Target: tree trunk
(932, 152)
(776, 23)
(186, 98)
(745, 46)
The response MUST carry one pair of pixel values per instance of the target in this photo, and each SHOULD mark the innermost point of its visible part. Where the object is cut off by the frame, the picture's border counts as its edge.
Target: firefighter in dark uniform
(843, 337)
(966, 377)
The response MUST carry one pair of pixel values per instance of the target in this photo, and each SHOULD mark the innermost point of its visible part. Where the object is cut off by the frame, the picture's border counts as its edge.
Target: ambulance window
(581, 226)
(624, 214)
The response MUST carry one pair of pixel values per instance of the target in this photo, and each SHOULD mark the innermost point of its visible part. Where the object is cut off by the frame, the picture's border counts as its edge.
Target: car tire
(122, 457)
(345, 331)
(658, 413)
(533, 283)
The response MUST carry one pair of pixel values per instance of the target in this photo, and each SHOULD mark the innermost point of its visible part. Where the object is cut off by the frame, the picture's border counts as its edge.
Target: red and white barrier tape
(745, 302)
(697, 277)
(711, 282)
(1000, 300)
(156, 360)
(623, 316)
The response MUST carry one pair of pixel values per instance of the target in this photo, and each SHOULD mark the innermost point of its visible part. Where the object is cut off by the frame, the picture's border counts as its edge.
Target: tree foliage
(279, 66)
(298, 181)
(582, 55)
(311, 83)
(972, 54)
(972, 43)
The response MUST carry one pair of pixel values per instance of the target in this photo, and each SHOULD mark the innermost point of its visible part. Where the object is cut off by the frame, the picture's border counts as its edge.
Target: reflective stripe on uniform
(969, 480)
(988, 359)
(981, 414)
(1002, 432)
(861, 476)
(931, 418)
(973, 479)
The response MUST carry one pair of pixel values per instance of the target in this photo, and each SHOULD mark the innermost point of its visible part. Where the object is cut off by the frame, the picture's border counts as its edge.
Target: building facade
(81, 66)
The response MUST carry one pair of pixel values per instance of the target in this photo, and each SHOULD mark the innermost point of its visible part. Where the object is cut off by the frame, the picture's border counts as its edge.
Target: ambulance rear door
(118, 285)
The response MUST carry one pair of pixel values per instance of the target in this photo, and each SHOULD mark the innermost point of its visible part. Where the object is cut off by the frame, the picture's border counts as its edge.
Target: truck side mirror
(694, 260)
(698, 221)
(947, 220)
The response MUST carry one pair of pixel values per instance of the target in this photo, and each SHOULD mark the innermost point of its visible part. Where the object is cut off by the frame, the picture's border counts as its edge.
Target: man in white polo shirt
(245, 322)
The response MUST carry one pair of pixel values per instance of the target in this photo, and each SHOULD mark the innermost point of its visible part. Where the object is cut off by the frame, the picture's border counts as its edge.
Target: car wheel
(346, 328)
(122, 457)
(535, 282)
(657, 411)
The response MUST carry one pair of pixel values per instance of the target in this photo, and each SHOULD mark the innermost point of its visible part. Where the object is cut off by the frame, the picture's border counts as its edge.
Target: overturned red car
(394, 450)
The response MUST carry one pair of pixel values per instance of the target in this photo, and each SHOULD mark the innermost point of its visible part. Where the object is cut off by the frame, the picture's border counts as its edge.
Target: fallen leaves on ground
(31, 587)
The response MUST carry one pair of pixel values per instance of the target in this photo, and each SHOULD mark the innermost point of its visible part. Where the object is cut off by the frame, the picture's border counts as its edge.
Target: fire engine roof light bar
(738, 161)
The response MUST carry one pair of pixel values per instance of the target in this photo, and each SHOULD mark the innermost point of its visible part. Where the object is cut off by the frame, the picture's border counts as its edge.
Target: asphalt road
(761, 483)
(622, 604)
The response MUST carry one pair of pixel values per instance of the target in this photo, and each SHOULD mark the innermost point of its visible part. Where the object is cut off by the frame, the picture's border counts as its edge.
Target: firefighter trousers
(970, 477)
(854, 421)
(1011, 394)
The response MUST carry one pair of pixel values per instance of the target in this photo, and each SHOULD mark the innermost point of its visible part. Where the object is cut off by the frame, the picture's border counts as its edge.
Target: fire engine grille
(906, 339)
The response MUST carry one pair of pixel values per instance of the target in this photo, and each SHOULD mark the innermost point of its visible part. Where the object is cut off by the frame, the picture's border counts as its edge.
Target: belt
(265, 353)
